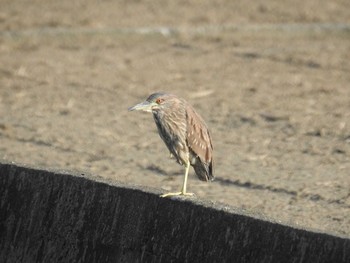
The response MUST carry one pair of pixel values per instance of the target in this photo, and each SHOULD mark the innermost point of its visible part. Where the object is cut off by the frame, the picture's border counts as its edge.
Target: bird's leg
(183, 189)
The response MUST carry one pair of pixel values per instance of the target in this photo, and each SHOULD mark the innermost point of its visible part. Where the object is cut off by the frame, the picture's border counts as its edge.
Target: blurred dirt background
(271, 79)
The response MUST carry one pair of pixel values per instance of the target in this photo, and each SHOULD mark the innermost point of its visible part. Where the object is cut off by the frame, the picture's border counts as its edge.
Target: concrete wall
(48, 216)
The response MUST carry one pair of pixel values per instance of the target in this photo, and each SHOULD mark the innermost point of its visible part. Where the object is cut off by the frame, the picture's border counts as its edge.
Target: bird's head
(155, 102)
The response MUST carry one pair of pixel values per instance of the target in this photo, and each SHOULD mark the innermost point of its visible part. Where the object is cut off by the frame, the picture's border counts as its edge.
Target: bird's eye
(159, 101)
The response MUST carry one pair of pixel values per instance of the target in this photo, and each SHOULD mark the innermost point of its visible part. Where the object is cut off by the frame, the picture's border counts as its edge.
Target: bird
(185, 134)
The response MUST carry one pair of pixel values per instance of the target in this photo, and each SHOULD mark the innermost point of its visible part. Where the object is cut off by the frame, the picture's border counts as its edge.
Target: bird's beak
(143, 106)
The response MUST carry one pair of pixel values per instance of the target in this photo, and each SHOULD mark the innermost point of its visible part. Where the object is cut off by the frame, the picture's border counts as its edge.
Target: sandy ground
(270, 78)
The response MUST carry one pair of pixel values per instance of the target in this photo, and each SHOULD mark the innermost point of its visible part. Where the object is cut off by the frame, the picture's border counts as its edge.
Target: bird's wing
(198, 136)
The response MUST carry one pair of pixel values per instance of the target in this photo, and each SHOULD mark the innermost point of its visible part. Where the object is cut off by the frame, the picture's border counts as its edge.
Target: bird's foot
(177, 194)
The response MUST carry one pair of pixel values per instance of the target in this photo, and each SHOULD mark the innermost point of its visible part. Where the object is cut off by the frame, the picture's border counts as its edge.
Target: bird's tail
(203, 170)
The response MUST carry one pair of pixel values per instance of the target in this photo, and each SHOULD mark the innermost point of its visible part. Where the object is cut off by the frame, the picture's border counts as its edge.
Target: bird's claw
(177, 194)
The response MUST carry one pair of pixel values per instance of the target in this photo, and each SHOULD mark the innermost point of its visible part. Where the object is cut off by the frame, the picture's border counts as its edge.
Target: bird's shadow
(250, 185)
(159, 171)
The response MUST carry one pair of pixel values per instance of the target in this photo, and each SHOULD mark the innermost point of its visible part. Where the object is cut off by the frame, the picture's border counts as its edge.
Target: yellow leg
(183, 189)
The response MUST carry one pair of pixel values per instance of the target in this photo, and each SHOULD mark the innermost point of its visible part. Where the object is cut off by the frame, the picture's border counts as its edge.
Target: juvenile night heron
(184, 132)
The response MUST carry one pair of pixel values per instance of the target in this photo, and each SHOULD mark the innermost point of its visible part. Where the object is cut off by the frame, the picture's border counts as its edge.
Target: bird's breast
(172, 132)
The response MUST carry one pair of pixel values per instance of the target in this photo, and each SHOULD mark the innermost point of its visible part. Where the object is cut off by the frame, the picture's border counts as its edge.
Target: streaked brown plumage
(184, 132)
